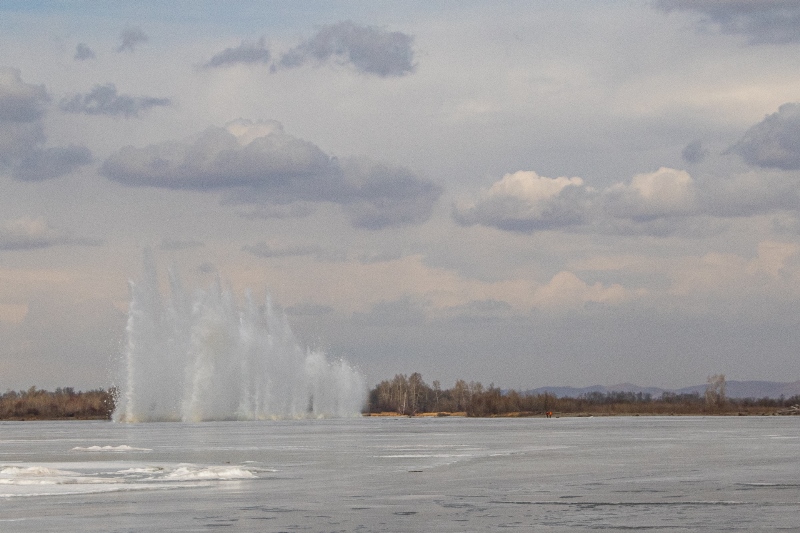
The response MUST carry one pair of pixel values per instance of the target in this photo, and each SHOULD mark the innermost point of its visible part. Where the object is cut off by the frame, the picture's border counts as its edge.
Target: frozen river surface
(401, 474)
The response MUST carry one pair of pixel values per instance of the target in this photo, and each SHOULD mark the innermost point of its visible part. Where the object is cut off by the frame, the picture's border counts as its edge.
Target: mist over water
(206, 357)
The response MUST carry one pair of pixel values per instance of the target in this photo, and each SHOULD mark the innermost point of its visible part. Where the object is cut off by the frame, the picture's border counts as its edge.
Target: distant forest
(411, 396)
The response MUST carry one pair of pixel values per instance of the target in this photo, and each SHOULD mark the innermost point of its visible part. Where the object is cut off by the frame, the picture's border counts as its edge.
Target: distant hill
(733, 389)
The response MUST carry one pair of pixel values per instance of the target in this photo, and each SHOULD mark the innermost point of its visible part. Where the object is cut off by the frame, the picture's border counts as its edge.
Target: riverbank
(791, 411)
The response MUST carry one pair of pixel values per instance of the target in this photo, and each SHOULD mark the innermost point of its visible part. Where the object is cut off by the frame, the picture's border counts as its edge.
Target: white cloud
(719, 283)
(526, 202)
(664, 193)
(567, 291)
(773, 259)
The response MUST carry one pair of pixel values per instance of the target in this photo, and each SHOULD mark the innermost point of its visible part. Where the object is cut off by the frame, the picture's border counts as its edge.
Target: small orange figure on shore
(549, 414)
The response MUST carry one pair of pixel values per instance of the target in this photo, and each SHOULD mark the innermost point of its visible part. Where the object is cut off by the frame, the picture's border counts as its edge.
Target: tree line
(410, 395)
(64, 403)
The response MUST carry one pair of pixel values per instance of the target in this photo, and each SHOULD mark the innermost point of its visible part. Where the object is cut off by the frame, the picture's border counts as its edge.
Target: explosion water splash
(207, 359)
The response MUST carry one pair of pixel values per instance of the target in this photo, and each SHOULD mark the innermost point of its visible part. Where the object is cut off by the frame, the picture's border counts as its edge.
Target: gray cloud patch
(20, 101)
(264, 250)
(83, 52)
(308, 309)
(29, 234)
(22, 133)
(47, 163)
(131, 37)
(216, 159)
(259, 164)
(775, 141)
(752, 193)
(402, 312)
(764, 21)
(477, 312)
(694, 152)
(279, 211)
(382, 196)
(104, 100)
(245, 53)
(369, 49)
(173, 245)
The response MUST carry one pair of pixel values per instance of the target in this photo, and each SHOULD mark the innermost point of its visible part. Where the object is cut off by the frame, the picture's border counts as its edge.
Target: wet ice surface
(400, 474)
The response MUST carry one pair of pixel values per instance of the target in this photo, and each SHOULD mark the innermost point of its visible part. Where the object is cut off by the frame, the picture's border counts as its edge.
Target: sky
(523, 193)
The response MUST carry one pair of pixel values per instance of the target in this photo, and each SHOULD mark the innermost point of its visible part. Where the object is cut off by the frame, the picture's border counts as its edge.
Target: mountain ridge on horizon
(733, 389)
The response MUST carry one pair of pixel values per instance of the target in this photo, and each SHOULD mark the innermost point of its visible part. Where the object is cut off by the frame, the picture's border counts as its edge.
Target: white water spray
(207, 359)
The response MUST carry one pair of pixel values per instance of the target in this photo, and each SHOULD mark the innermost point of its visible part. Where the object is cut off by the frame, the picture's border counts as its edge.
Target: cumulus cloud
(22, 137)
(659, 203)
(131, 37)
(763, 21)
(104, 100)
(775, 141)
(246, 53)
(665, 202)
(526, 202)
(260, 164)
(567, 291)
(368, 49)
(257, 154)
(83, 52)
(29, 233)
(664, 193)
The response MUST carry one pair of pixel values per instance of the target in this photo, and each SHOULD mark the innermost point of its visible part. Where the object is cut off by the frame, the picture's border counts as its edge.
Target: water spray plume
(207, 358)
